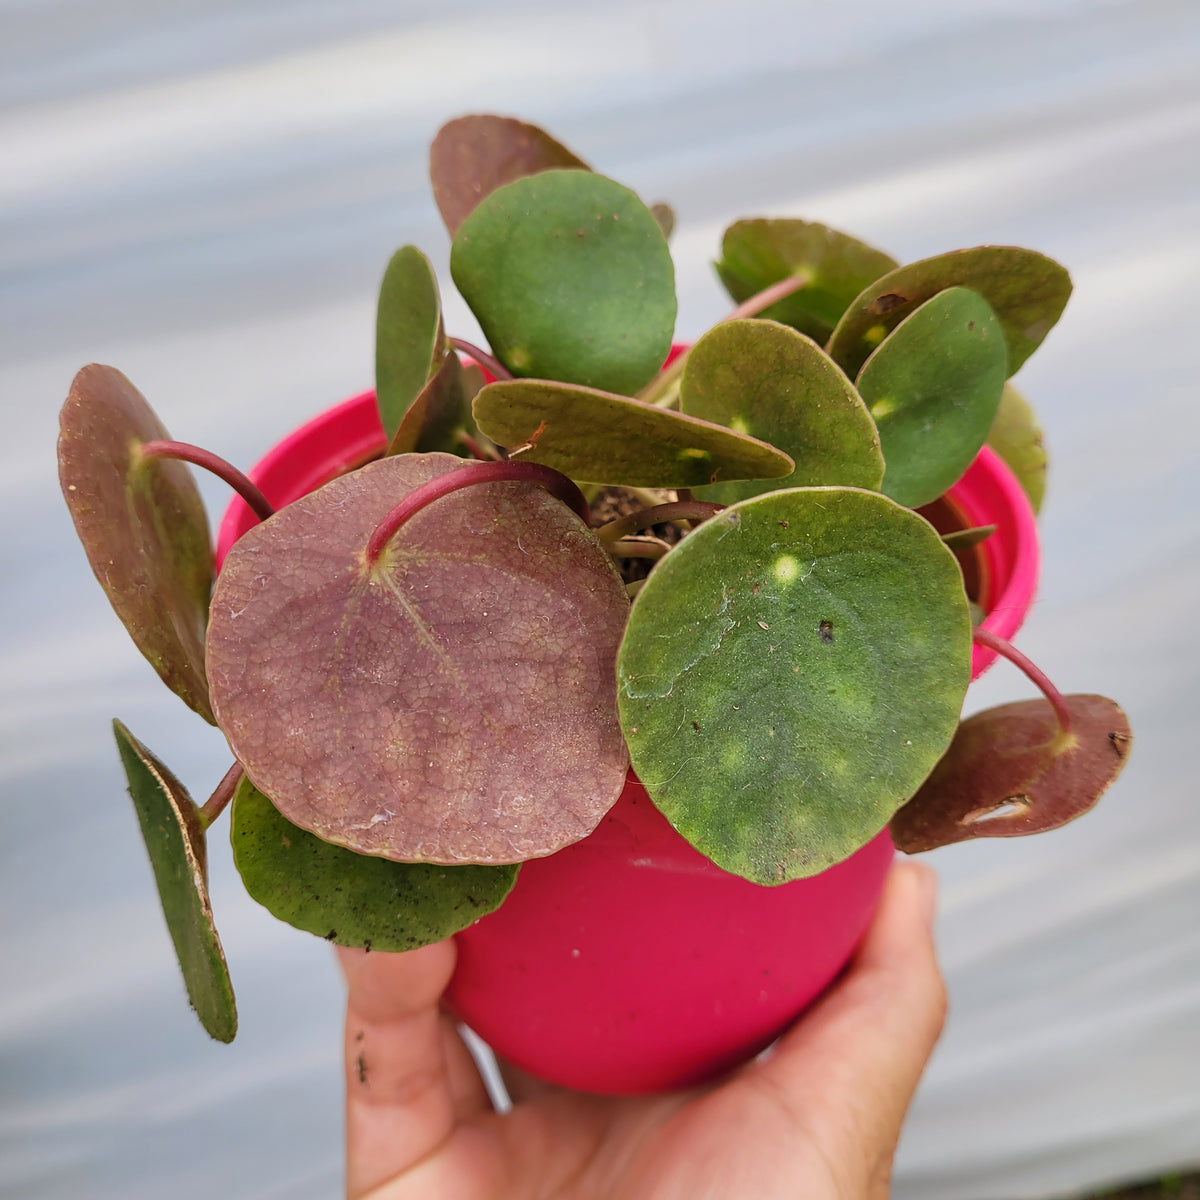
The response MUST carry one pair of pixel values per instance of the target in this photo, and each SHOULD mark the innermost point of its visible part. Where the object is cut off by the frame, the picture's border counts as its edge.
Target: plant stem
(643, 518)
(487, 361)
(663, 390)
(639, 548)
(769, 295)
(556, 483)
(218, 466)
(214, 806)
(1007, 650)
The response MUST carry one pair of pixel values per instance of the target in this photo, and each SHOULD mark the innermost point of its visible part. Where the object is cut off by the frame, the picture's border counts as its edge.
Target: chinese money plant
(442, 663)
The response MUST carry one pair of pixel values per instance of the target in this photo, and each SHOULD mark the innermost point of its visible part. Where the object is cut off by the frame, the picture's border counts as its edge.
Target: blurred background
(204, 193)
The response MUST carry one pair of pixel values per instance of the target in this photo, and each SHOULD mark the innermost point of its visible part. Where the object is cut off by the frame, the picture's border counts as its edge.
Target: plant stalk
(218, 466)
(469, 474)
(639, 548)
(663, 390)
(487, 361)
(643, 518)
(214, 806)
(1007, 650)
(769, 295)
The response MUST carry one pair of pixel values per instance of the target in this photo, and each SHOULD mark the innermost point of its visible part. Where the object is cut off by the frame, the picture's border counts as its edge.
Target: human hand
(818, 1118)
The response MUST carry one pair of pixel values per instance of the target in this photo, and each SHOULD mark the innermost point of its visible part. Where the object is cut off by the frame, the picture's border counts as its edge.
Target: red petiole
(218, 466)
(1007, 650)
(556, 483)
(222, 794)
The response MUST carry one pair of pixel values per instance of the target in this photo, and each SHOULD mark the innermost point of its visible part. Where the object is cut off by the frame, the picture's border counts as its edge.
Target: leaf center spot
(786, 568)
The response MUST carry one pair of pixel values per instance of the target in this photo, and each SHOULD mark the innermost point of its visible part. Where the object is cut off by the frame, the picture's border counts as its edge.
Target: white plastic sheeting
(204, 194)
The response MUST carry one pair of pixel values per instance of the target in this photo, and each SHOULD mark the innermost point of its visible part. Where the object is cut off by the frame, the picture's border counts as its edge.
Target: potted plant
(689, 641)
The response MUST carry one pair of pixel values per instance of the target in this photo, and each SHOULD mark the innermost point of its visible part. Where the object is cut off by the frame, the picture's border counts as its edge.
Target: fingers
(852, 1064)
(409, 1078)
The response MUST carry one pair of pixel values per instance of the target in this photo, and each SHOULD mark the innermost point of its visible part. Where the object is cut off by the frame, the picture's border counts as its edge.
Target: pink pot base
(628, 962)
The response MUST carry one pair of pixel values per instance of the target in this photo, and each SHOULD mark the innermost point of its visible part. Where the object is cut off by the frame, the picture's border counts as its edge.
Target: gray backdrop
(204, 194)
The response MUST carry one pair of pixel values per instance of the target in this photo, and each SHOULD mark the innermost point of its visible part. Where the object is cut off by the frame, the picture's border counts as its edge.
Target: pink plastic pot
(628, 962)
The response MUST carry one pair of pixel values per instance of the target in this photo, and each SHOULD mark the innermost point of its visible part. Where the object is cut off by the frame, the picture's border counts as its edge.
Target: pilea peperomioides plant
(433, 668)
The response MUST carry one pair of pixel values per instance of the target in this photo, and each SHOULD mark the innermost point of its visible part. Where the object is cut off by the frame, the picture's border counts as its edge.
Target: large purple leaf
(142, 525)
(454, 703)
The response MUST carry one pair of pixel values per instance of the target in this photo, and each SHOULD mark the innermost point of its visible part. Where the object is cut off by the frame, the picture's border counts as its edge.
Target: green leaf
(409, 342)
(1026, 290)
(603, 438)
(758, 253)
(571, 279)
(353, 899)
(142, 525)
(175, 842)
(933, 387)
(441, 411)
(474, 155)
(791, 672)
(1017, 437)
(1011, 771)
(454, 702)
(964, 539)
(763, 379)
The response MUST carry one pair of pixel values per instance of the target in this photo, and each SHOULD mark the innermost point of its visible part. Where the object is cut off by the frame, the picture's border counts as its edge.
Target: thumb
(850, 1066)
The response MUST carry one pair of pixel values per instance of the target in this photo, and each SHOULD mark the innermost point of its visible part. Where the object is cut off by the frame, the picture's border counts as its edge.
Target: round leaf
(175, 842)
(603, 438)
(142, 525)
(933, 388)
(1010, 771)
(353, 899)
(836, 267)
(763, 379)
(1017, 437)
(571, 279)
(474, 155)
(1026, 290)
(453, 703)
(408, 334)
(791, 672)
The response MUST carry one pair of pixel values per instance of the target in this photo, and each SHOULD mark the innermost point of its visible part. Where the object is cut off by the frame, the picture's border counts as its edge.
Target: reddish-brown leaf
(142, 524)
(474, 155)
(457, 702)
(1010, 772)
(441, 410)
